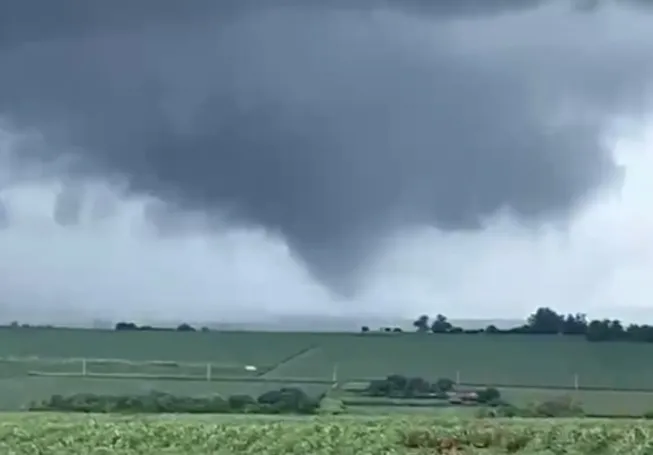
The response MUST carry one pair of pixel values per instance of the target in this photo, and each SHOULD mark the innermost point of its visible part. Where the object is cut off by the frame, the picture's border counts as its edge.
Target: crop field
(59, 434)
(612, 378)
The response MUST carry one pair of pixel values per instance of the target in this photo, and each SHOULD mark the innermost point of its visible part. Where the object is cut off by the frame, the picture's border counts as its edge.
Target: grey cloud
(4, 215)
(335, 125)
(68, 206)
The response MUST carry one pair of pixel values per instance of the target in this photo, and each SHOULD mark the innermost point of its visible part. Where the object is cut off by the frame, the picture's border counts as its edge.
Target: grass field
(513, 360)
(57, 434)
(525, 368)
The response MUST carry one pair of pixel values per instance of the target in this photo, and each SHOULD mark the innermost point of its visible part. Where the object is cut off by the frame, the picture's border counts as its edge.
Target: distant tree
(617, 331)
(545, 321)
(185, 328)
(575, 324)
(422, 323)
(205, 329)
(441, 325)
(379, 388)
(639, 333)
(488, 395)
(599, 331)
(397, 330)
(444, 384)
(397, 381)
(365, 329)
(417, 386)
(491, 329)
(126, 326)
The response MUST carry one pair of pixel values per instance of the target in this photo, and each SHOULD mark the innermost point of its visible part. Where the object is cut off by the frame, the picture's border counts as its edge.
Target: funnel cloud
(333, 127)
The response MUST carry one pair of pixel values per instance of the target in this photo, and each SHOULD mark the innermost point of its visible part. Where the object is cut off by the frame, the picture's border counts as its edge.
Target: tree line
(545, 321)
(287, 400)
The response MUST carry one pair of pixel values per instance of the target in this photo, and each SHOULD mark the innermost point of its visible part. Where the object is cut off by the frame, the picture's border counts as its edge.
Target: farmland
(35, 363)
(59, 434)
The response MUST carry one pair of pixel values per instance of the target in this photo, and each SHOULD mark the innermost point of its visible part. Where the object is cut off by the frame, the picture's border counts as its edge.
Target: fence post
(208, 372)
(575, 381)
(84, 367)
(458, 377)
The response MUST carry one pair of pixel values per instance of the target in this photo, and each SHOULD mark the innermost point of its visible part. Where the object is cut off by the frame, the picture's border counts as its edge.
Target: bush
(503, 410)
(331, 406)
(558, 407)
(185, 328)
(488, 395)
(444, 384)
(399, 386)
(288, 401)
(417, 386)
(241, 402)
(126, 326)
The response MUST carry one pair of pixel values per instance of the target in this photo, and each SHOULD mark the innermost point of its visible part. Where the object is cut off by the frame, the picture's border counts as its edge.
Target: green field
(613, 378)
(509, 360)
(59, 434)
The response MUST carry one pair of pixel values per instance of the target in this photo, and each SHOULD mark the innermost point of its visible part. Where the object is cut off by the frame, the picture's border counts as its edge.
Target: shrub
(185, 328)
(399, 386)
(503, 410)
(397, 381)
(444, 384)
(564, 406)
(331, 406)
(488, 395)
(417, 386)
(241, 402)
(379, 388)
(126, 326)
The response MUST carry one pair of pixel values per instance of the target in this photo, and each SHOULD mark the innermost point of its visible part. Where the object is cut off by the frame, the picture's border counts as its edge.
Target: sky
(232, 161)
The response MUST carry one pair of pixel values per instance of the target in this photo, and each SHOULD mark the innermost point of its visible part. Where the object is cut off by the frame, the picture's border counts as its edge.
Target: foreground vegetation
(59, 434)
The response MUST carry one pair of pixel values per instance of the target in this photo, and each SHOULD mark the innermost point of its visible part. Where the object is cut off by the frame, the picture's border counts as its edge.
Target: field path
(278, 368)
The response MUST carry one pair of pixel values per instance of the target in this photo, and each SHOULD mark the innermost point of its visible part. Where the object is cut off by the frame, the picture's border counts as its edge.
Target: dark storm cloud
(331, 125)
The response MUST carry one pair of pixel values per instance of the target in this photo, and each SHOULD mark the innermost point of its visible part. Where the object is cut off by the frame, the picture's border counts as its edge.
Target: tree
(598, 331)
(545, 321)
(422, 323)
(126, 326)
(575, 324)
(444, 384)
(365, 329)
(491, 329)
(185, 328)
(488, 395)
(441, 325)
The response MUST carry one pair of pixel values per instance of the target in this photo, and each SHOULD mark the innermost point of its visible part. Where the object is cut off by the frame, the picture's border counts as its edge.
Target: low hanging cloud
(330, 129)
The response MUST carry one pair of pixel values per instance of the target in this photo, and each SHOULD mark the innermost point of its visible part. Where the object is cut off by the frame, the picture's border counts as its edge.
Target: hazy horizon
(237, 162)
